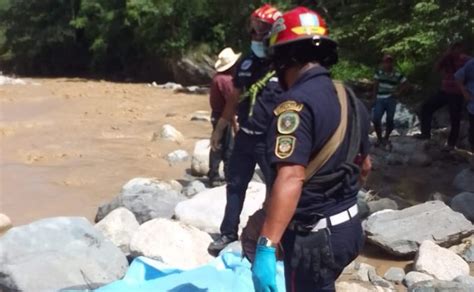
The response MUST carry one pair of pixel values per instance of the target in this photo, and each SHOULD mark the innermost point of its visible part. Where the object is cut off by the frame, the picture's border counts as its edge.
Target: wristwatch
(264, 241)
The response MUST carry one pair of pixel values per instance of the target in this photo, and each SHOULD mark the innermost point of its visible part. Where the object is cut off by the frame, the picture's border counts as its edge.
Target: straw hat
(226, 59)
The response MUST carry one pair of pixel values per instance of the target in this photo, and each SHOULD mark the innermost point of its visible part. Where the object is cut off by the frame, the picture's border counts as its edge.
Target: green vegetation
(128, 36)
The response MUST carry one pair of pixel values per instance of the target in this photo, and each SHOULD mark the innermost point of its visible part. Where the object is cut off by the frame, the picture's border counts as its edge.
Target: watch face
(264, 241)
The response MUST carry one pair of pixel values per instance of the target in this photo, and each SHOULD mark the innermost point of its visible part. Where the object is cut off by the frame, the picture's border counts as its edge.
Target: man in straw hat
(221, 91)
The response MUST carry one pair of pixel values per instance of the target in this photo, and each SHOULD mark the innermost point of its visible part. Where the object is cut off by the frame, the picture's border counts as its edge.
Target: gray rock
(190, 70)
(171, 242)
(401, 232)
(408, 146)
(395, 275)
(379, 281)
(175, 185)
(147, 198)
(193, 188)
(194, 90)
(464, 204)
(362, 271)
(439, 262)
(201, 116)
(168, 132)
(200, 158)
(5, 222)
(357, 286)
(466, 280)
(420, 159)
(382, 204)
(119, 226)
(58, 253)
(177, 156)
(206, 209)
(439, 286)
(468, 254)
(396, 159)
(464, 181)
(415, 277)
(465, 249)
(440, 197)
(168, 85)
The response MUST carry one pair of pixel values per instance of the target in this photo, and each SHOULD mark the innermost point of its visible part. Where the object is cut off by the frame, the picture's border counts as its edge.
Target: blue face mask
(258, 48)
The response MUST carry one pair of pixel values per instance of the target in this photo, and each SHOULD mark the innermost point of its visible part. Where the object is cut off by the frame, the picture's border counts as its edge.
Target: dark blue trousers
(346, 241)
(249, 150)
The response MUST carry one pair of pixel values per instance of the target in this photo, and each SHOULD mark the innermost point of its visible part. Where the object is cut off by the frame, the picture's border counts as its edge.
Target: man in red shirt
(450, 94)
(221, 89)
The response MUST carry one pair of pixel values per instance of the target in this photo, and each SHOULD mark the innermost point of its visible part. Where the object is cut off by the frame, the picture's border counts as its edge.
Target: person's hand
(217, 134)
(264, 269)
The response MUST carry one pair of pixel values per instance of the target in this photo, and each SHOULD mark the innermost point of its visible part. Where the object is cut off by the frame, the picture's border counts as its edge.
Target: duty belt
(326, 222)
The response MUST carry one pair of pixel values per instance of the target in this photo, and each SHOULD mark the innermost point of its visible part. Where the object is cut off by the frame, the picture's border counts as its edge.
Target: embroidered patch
(285, 145)
(246, 64)
(289, 105)
(288, 122)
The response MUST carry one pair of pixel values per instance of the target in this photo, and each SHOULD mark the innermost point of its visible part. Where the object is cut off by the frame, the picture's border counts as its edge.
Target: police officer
(315, 217)
(256, 88)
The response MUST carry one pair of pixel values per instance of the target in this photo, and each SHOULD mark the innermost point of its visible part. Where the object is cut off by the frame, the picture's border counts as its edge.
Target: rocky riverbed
(114, 167)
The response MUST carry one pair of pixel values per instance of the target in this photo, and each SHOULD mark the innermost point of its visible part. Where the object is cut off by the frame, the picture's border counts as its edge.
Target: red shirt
(448, 66)
(221, 89)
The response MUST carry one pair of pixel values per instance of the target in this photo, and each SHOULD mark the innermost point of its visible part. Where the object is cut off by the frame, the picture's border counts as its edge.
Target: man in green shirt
(388, 84)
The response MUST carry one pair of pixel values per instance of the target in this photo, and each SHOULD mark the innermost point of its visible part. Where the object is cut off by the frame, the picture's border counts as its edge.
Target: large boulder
(464, 204)
(206, 209)
(401, 232)
(441, 263)
(190, 70)
(147, 198)
(58, 253)
(5, 222)
(119, 226)
(174, 243)
(200, 159)
(464, 181)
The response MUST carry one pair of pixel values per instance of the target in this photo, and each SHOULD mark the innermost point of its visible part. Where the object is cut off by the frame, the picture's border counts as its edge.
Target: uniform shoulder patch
(284, 147)
(288, 122)
(289, 105)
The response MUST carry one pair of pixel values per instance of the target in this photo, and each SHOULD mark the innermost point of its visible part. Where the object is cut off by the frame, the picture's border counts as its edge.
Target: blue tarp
(228, 272)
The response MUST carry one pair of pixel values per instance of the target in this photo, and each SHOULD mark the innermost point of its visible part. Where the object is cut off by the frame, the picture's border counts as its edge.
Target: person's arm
(376, 89)
(460, 77)
(284, 198)
(227, 118)
(365, 169)
(464, 91)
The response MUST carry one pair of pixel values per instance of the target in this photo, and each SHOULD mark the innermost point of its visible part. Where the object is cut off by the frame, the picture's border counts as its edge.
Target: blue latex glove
(264, 269)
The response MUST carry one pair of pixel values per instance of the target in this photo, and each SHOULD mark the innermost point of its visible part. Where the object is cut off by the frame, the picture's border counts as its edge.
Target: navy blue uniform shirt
(250, 70)
(305, 119)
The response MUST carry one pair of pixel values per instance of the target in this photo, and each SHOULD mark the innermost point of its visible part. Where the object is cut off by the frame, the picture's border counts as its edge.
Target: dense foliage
(126, 36)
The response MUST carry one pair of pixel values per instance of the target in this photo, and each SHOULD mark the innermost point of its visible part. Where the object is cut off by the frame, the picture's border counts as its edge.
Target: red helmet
(266, 13)
(298, 24)
(301, 34)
